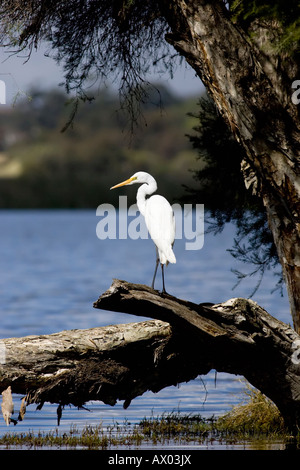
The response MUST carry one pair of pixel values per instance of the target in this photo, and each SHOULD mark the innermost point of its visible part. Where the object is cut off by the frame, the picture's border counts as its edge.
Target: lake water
(53, 267)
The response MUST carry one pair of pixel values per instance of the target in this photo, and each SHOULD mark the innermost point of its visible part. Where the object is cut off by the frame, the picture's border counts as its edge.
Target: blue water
(53, 267)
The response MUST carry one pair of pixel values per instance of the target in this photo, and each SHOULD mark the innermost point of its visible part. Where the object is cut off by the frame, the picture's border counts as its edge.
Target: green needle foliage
(283, 13)
(220, 186)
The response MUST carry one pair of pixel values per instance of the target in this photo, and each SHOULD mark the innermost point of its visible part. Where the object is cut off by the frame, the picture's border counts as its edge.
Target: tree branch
(121, 362)
(73, 367)
(237, 336)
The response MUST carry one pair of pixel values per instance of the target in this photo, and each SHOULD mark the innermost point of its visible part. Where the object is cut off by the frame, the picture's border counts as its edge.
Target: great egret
(159, 218)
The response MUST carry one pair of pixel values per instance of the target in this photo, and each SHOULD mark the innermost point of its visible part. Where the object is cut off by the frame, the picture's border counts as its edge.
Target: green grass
(90, 437)
(256, 415)
(255, 420)
(174, 427)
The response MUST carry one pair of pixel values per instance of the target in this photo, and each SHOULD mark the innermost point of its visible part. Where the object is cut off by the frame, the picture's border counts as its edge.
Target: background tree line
(43, 167)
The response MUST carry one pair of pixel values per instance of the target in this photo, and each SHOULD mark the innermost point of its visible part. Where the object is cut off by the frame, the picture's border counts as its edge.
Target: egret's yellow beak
(124, 182)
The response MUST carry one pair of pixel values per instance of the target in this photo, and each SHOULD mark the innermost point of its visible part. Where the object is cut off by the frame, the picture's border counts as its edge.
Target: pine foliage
(220, 186)
(285, 14)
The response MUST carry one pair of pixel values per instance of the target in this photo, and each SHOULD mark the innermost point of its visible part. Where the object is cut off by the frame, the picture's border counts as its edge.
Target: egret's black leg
(157, 261)
(163, 279)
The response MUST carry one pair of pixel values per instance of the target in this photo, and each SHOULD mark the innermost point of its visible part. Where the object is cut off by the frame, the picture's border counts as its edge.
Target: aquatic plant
(255, 421)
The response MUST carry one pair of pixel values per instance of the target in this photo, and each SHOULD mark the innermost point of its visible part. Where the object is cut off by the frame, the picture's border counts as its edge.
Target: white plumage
(159, 218)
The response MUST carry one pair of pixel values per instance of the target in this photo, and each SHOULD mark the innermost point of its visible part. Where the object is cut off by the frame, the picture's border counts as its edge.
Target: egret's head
(139, 177)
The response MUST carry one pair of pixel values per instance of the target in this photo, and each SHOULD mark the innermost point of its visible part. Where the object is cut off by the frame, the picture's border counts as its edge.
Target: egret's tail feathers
(167, 256)
(171, 257)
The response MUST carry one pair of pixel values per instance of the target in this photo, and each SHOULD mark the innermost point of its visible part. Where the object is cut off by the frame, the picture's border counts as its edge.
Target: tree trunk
(253, 92)
(120, 362)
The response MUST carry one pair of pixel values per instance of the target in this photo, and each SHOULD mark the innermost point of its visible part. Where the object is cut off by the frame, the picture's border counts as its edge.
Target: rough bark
(76, 366)
(252, 90)
(237, 336)
(120, 362)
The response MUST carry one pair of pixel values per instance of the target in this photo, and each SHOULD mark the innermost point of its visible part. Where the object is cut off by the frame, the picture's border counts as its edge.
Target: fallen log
(121, 362)
(237, 336)
(76, 366)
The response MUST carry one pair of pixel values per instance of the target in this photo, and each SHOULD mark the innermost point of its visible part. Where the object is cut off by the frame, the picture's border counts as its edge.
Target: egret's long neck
(145, 190)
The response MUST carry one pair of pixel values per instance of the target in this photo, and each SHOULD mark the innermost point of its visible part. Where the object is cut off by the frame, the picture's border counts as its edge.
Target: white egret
(159, 218)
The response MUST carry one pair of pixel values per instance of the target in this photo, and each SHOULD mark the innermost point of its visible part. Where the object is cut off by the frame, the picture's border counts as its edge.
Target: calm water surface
(53, 267)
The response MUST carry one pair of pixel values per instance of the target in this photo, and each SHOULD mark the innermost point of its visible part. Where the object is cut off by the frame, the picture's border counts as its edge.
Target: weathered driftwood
(73, 367)
(120, 362)
(236, 336)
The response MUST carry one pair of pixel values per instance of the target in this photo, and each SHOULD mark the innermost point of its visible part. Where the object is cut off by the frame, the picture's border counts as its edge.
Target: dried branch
(121, 362)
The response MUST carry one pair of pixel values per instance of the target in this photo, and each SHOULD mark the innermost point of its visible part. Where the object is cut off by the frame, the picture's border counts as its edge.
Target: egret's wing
(160, 222)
